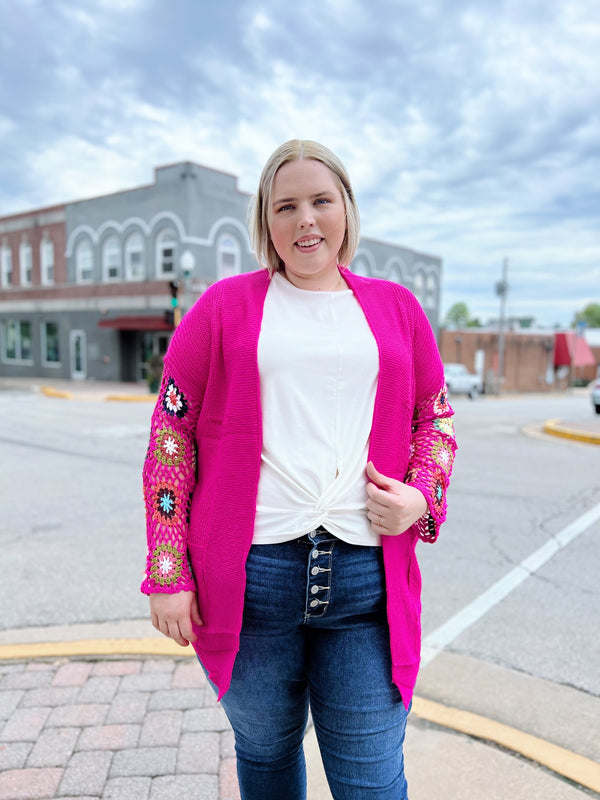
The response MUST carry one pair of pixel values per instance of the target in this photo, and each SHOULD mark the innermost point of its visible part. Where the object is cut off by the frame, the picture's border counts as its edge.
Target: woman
(300, 446)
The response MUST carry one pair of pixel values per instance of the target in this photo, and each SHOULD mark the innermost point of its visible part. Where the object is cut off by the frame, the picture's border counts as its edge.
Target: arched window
(25, 263)
(47, 260)
(84, 262)
(135, 269)
(228, 257)
(6, 264)
(419, 286)
(166, 253)
(430, 291)
(111, 259)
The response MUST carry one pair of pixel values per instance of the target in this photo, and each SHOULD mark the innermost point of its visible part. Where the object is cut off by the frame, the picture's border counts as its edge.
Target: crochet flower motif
(445, 425)
(438, 486)
(440, 405)
(167, 504)
(170, 447)
(174, 402)
(442, 455)
(166, 565)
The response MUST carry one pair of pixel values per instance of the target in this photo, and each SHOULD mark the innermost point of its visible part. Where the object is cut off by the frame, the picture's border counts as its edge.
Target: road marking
(435, 642)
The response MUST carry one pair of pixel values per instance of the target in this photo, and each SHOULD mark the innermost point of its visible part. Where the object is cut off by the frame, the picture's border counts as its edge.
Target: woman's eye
(322, 200)
(283, 208)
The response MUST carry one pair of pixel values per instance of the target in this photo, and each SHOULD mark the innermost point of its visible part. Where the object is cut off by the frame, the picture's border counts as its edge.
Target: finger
(377, 521)
(377, 477)
(376, 493)
(378, 508)
(175, 634)
(195, 612)
(185, 628)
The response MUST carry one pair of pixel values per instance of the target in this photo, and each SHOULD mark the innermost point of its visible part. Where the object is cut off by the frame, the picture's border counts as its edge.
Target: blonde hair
(260, 207)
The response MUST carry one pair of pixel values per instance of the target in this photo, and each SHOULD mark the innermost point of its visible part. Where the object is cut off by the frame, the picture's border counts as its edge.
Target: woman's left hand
(392, 505)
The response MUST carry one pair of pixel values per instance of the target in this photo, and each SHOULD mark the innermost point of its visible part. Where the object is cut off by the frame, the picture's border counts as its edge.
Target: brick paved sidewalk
(139, 729)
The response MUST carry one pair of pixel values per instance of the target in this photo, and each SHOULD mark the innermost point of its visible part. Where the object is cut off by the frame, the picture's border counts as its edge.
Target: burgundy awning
(136, 323)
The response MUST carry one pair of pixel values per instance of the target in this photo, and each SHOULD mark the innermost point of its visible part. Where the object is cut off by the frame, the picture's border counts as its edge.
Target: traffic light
(174, 289)
(173, 315)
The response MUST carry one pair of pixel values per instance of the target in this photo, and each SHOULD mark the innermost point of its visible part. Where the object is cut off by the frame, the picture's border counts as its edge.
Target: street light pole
(501, 291)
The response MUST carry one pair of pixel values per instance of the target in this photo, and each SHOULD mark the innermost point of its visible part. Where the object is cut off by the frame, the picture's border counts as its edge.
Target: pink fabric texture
(203, 462)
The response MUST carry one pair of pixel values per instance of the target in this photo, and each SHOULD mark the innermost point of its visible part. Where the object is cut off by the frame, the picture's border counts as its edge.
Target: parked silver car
(460, 381)
(596, 395)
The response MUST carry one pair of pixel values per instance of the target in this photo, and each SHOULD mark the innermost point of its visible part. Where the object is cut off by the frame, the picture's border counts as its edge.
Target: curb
(582, 771)
(553, 427)
(572, 766)
(49, 391)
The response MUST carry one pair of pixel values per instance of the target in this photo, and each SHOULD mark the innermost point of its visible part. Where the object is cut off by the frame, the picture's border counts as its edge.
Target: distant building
(85, 286)
(534, 359)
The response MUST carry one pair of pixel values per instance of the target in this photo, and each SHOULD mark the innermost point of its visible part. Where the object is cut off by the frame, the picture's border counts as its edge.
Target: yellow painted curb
(576, 768)
(49, 391)
(554, 428)
(131, 398)
(95, 647)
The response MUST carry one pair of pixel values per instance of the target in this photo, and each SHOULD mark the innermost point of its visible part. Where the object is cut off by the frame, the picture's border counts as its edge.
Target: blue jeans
(315, 633)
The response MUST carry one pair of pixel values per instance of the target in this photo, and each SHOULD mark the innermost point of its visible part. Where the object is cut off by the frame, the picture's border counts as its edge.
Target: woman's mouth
(308, 244)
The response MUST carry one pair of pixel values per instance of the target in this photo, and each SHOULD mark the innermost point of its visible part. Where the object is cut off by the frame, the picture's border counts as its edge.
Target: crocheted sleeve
(431, 459)
(169, 477)
(170, 472)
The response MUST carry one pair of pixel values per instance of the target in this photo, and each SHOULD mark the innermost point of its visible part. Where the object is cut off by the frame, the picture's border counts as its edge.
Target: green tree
(458, 315)
(590, 315)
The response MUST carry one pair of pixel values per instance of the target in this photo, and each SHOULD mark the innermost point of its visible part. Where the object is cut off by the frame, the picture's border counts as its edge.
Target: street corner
(587, 432)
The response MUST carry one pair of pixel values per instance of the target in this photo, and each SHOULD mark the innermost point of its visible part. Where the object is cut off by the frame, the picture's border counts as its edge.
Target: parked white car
(460, 381)
(596, 395)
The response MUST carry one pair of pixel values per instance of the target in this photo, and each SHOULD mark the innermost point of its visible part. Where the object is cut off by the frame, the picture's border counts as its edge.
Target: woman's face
(307, 222)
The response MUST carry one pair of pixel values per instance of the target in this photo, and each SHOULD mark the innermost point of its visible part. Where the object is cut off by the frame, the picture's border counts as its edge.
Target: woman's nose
(307, 216)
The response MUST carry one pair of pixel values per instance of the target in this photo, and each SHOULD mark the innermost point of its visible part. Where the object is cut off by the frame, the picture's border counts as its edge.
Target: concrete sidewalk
(147, 727)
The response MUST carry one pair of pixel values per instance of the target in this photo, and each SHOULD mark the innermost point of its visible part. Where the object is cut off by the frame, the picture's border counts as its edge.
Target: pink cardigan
(202, 468)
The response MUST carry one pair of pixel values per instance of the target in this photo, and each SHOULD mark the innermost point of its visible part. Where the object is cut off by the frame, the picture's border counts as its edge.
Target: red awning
(572, 350)
(136, 323)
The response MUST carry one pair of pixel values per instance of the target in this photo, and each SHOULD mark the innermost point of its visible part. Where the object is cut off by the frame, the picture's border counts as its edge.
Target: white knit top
(318, 363)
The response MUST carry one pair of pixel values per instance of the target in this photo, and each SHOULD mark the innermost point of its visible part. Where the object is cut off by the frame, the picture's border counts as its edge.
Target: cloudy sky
(471, 129)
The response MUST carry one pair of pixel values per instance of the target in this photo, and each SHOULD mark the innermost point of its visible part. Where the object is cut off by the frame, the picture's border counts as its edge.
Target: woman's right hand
(173, 615)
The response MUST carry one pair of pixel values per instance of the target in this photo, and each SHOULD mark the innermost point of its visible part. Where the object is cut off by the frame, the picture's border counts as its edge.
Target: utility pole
(501, 291)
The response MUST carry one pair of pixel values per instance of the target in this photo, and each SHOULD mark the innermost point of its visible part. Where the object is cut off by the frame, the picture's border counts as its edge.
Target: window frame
(78, 266)
(47, 264)
(6, 266)
(130, 249)
(25, 264)
(162, 244)
(224, 248)
(112, 247)
(46, 362)
(17, 326)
